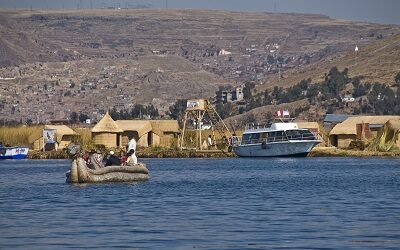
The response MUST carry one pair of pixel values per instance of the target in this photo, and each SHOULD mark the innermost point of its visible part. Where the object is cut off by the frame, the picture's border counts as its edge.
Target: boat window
(299, 134)
(293, 133)
(255, 136)
(264, 135)
(250, 138)
(246, 137)
(307, 133)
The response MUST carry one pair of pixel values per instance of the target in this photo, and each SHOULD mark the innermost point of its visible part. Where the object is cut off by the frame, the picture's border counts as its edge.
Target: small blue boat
(13, 152)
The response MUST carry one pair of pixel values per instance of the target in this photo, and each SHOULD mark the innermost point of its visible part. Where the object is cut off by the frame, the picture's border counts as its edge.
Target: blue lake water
(302, 203)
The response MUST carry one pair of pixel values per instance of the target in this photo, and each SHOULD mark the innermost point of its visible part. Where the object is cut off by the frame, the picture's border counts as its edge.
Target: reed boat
(80, 173)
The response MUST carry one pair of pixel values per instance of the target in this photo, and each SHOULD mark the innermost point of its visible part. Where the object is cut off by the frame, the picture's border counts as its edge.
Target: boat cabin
(282, 129)
(276, 136)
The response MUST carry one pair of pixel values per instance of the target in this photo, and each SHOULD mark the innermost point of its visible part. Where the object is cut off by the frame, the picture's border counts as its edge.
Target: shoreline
(170, 153)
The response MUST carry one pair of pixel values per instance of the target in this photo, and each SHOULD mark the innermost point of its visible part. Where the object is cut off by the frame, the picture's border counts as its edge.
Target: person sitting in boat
(112, 159)
(1, 144)
(122, 158)
(85, 157)
(96, 160)
(132, 159)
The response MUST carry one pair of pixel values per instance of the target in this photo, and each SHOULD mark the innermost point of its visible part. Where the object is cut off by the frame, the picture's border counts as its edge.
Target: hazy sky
(379, 11)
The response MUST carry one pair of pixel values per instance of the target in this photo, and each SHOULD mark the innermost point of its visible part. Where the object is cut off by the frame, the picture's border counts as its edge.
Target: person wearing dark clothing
(112, 160)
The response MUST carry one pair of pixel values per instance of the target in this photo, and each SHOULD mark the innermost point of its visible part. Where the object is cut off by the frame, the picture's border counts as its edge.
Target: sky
(376, 11)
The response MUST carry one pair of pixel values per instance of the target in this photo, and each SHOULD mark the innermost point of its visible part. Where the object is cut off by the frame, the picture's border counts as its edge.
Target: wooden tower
(198, 109)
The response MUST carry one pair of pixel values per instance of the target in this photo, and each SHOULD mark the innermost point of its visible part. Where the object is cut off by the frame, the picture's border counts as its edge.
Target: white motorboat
(282, 137)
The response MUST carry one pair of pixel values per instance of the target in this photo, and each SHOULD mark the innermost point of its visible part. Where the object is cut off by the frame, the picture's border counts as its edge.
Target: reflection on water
(291, 203)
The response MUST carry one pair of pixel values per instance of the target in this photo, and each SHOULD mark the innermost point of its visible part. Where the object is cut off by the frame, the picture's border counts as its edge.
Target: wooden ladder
(217, 121)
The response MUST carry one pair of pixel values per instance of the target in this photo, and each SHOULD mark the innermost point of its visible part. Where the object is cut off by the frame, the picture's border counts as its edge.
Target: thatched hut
(331, 120)
(149, 133)
(357, 128)
(106, 132)
(64, 135)
(388, 137)
(164, 133)
(139, 129)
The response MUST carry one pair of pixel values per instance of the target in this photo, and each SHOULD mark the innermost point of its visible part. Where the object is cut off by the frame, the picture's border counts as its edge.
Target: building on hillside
(357, 128)
(331, 120)
(223, 52)
(64, 135)
(233, 95)
(107, 133)
(348, 98)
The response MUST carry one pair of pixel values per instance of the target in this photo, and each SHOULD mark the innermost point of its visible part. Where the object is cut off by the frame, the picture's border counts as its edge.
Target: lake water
(302, 203)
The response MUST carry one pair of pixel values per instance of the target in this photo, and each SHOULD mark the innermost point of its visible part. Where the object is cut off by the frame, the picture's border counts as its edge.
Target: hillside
(377, 62)
(57, 88)
(54, 62)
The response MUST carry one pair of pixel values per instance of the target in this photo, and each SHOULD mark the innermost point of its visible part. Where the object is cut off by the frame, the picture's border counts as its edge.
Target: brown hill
(92, 60)
(378, 62)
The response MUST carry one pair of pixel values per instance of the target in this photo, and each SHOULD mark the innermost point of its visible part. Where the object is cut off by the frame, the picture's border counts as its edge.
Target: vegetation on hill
(139, 111)
(338, 92)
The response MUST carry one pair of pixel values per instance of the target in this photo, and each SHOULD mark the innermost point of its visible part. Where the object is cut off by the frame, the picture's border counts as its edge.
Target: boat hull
(276, 149)
(15, 153)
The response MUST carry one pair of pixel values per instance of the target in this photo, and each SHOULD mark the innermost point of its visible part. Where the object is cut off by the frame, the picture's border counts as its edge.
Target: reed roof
(161, 126)
(106, 124)
(141, 126)
(348, 126)
(144, 126)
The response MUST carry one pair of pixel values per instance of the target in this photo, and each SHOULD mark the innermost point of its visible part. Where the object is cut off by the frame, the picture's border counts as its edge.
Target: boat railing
(301, 137)
(253, 126)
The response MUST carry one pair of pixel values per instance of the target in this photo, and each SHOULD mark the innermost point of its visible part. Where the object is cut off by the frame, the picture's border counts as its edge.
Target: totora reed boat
(80, 173)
